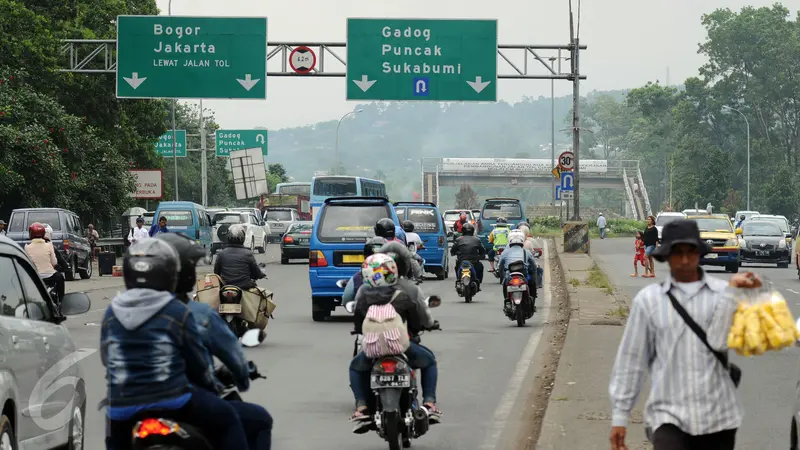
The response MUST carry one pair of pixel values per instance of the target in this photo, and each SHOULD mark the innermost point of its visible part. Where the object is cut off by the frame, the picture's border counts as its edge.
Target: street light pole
(351, 113)
(174, 139)
(747, 122)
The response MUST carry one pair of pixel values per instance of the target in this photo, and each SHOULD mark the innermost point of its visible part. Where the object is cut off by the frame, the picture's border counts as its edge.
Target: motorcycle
(519, 305)
(497, 254)
(417, 263)
(153, 432)
(398, 417)
(467, 286)
(230, 309)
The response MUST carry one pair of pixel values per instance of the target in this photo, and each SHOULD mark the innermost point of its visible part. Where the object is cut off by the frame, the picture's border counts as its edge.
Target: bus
(295, 188)
(324, 187)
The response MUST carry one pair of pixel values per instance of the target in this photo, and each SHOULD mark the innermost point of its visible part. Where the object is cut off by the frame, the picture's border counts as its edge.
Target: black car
(295, 243)
(69, 236)
(764, 242)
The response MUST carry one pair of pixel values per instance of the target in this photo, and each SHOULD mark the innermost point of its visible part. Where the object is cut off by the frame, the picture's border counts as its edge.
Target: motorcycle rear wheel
(393, 433)
(520, 316)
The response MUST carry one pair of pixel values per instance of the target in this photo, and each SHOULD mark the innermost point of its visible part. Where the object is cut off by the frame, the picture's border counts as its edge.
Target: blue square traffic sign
(420, 87)
(558, 192)
(567, 181)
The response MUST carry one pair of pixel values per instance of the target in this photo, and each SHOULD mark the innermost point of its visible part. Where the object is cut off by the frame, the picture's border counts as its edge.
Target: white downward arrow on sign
(248, 82)
(478, 84)
(260, 138)
(134, 80)
(364, 83)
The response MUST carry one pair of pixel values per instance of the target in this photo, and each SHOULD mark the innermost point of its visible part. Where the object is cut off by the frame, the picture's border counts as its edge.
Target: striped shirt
(689, 388)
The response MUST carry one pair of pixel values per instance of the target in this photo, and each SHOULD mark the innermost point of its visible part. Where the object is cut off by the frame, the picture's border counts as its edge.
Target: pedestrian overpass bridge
(529, 173)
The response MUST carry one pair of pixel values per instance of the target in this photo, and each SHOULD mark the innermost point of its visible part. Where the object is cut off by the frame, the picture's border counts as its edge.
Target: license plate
(712, 256)
(390, 381)
(302, 241)
(230, 308)
(352, 259)
(517, 288)
(277, 225)
(762, 252)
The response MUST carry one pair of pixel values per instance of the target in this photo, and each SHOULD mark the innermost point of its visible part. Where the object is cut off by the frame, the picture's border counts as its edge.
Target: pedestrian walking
(650, 238)
(677, 332)
(601, 223)
(639, 256)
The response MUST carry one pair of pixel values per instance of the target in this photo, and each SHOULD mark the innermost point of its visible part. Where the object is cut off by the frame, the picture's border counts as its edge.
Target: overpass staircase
(636, 194)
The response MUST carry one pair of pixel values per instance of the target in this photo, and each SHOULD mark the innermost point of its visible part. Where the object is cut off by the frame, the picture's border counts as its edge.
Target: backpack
(384, 331)
(127, 241)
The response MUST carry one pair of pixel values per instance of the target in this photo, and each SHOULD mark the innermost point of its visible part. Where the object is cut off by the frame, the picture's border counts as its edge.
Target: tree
(276, 174)
(466, 197)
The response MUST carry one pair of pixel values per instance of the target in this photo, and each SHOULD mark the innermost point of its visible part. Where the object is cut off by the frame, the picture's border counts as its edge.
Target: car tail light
(317, 259)
(389, 365)
(154, 426)
(480, 226)
(288, 240)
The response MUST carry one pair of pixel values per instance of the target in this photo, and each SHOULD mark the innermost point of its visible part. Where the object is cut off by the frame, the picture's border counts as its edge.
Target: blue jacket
(153, 352)
(155, 229)
(400, 233)
(514, 253)
(221, 342)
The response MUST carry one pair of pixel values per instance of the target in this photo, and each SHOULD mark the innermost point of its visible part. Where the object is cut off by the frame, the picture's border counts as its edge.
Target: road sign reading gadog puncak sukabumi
(231, 140)
(422, 59)
(191, 57)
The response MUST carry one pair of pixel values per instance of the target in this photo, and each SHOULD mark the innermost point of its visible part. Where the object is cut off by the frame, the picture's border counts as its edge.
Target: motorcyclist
(355, 282)
(62, 262)
(236, 264)
(380, 291)
(154, 355)
(418, 263)
(458, 226)
(469, 248)
(220, 341)
(43, 255)
(739, 223)
(498, 238)
(517, 252)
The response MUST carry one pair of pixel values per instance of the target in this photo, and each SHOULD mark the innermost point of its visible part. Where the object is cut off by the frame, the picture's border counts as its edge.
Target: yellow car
(718, 232)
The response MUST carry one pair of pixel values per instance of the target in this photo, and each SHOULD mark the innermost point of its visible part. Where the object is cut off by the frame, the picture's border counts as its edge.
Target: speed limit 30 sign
(566, 161)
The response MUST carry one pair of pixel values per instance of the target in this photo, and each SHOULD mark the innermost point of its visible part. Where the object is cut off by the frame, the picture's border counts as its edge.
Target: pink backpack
(384, 331)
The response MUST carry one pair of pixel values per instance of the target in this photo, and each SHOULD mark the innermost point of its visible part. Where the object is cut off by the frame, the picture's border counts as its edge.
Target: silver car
(38, 354)
(279, 220)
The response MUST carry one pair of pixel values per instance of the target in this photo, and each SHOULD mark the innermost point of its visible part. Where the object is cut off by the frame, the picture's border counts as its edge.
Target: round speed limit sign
(566, 161)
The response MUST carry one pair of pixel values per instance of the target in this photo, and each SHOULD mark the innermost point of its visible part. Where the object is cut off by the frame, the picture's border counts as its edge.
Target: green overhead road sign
(164, 144)
(422, 59)
(229, 140)
(191, 57)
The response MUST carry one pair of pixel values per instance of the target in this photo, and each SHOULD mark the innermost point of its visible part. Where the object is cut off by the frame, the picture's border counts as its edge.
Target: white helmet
(48, 232)
(516, 237)
(236, 234)
(379, 270)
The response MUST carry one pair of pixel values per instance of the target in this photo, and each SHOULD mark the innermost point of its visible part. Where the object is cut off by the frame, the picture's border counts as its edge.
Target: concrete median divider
(578, 414)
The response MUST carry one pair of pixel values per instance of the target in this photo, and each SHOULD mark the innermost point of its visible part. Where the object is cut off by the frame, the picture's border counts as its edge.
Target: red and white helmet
(379, 270)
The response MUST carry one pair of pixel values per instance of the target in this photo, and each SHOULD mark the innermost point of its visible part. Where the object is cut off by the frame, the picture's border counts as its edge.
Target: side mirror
(342, 284)
(75, 303)
(350, 307)
(738, 231)
(213, 223)
(434, 301)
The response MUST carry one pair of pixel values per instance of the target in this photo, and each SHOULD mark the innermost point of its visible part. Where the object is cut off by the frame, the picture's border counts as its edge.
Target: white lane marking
(515, 383)
(793, 291)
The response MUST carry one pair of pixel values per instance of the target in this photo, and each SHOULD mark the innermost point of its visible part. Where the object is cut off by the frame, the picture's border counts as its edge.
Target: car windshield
(714, 224)
(335, 187)
(509, 210)
(454, 215)
(761, 228)
(350, 223)
(424, 220)
(663, 220)
(301, 227)
(780, 222)
(279, 214)
(177, 218)
(48, 217)
(228, 218)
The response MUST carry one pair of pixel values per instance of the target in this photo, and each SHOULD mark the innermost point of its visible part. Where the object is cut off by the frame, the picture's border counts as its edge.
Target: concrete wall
(576, 237)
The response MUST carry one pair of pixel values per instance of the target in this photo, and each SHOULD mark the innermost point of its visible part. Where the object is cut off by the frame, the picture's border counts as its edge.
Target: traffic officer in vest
(498, 238)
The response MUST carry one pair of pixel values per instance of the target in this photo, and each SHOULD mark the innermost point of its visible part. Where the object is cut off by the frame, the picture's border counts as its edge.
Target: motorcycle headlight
(732, 243)
(782, 244)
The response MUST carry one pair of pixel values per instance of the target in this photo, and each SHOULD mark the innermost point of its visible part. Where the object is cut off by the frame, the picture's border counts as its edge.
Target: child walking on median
(639, 256)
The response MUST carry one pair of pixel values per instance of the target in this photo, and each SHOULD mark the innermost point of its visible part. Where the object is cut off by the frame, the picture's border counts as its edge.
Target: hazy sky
(629, 43)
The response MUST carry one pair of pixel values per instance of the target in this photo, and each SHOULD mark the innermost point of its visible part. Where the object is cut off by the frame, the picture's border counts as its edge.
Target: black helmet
(372, 245)
(189, 253)
(408, 226)
(467, 229)
(399, 252)
(385, 228)
(140, 219)
(151, 264)
(501, 220)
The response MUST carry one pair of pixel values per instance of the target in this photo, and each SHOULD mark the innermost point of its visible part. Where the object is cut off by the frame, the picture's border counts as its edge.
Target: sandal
(634, 275)
(362, 420)
(434, 414)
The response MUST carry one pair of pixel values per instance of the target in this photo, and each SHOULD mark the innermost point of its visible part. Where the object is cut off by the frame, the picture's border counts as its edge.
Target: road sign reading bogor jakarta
(422, 59)
(191, 57)
(230, 140)
(164, 144)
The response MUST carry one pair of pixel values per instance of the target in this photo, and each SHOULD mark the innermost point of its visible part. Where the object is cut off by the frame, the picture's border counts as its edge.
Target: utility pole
(203, 157)
(174, 139)
(576, 128)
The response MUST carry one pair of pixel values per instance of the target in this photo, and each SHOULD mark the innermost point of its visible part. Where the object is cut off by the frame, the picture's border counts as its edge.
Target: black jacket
(650, 236)
(237, 266)
(468, 248)
(412, 312)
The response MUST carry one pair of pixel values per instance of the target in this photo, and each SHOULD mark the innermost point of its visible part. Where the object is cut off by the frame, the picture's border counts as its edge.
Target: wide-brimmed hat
(679, 232)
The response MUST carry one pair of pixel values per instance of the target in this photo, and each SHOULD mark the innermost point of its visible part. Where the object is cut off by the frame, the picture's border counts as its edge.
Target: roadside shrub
(546, 222)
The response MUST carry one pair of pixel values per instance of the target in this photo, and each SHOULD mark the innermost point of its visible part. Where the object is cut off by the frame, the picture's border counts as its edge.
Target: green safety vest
(500, 236)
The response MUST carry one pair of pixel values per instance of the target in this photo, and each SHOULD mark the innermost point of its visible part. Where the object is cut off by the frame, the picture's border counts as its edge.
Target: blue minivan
(428, 224)
(188, 218)
(341, 229)
(493, 208)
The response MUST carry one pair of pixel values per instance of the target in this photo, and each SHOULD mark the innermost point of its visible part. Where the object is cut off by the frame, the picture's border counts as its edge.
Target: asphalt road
(768, 382)
(482, 356)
